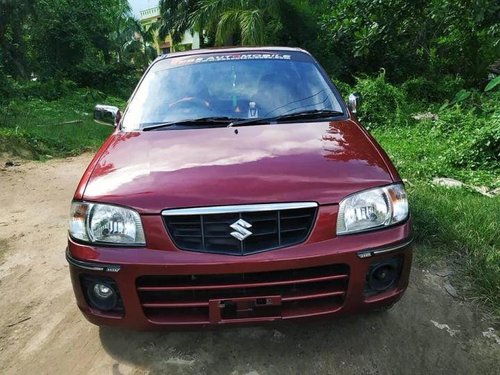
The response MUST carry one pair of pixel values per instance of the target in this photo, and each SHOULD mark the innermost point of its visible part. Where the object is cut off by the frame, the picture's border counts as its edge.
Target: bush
(475, 141)
(49, 90)
(117, 80)
(421, 89)
(344, 88)
(471, 130)
(6, 87)
(465, 136)
(424, 38)
(383, 103)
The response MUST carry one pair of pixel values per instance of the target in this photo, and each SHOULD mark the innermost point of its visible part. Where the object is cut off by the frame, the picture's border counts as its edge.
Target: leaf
(492, 84)
(461, 96)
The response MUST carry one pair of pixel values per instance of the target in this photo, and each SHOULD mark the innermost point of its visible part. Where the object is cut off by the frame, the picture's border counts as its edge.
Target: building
(189, 41)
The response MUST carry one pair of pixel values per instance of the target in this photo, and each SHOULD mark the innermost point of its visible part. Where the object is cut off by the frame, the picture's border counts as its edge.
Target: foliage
(177, 18)
(226, 22)
(13, 40)
(472, 128)
(344, 88)
(117, 79)
(141, 49)
(46, 90)
(383, 103)
(236, 20)
(303, 15)
(71, 39)
(492, 84)
(6, 86)
(80, 29)
(123, 30)
(248, 22)
(464, 132)
(413, 38)
(421, 89)
(64, 127)
(459, 140)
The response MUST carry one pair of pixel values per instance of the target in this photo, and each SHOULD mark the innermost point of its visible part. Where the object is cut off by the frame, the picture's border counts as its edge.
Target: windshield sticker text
(232, 57)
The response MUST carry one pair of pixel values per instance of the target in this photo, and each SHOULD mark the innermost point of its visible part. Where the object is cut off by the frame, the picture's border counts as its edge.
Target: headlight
(103, 223)
(372, 209)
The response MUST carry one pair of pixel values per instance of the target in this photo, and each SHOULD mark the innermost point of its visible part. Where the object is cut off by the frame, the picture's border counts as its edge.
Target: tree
(14, 16)
(67, 33)
(140, 49)
(411, 38)
(124, 27)
(238, 21)
(247, 22)
(176, 18)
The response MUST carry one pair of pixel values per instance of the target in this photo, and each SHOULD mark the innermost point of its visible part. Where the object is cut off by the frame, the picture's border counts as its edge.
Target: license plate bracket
(245, 309)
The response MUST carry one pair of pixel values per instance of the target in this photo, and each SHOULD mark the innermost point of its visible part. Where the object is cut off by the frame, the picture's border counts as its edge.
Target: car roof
(203, 51)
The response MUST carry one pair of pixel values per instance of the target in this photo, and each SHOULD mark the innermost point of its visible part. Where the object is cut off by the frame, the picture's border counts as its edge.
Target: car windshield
(231, 87)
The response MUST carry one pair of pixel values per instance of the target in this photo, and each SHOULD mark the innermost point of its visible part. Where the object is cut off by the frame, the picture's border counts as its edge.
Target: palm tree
(125, 27)
(132, 41)
(230, 21)
(176, 18)
(141, 48)
(243, 19)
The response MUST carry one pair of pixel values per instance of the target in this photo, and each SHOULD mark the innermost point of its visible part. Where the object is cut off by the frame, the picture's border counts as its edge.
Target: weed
(38, 128)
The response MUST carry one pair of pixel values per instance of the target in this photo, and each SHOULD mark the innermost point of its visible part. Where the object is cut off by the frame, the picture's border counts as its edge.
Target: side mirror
(107, 114)
(354, 102)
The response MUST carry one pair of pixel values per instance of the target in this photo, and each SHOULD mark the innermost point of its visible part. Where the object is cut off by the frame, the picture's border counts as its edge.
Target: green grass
(458, 225)
(420, 152)
(463, 227)
(38, 129)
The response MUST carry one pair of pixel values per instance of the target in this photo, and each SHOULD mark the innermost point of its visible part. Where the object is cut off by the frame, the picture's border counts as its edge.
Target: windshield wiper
(303, 115)
(195, 121)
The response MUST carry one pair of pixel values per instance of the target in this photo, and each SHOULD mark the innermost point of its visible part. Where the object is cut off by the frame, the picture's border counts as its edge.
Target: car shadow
(291, 347)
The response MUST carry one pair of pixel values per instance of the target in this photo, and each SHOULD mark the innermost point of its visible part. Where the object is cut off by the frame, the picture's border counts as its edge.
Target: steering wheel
(190, 102)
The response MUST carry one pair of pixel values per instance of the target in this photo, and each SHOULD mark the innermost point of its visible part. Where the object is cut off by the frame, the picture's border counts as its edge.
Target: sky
(138, 5)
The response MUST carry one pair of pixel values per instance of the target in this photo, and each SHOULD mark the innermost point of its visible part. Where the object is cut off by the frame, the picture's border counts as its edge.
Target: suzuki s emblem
(241, 231)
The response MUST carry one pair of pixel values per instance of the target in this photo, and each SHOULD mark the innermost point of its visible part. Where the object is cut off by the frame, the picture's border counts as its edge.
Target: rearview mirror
(107, 114)
(354, 102)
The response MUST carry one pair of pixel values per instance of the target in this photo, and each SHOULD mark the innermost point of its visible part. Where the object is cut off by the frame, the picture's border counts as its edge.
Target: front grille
(188, 299)
(211, 232)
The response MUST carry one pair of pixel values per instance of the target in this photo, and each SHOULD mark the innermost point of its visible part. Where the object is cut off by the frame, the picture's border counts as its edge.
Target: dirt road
(42, 331)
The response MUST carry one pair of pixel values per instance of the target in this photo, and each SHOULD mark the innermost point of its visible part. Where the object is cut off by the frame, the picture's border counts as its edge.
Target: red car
(237, 188)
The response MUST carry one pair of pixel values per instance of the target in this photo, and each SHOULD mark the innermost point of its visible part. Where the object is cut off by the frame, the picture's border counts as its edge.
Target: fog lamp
(102, 291)
(102, 296)
(383, 275)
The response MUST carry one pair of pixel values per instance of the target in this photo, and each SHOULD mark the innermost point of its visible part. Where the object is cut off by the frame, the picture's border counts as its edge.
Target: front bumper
(316, 278)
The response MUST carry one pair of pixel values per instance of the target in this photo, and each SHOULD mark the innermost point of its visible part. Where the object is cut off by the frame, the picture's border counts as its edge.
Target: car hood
(156, 170)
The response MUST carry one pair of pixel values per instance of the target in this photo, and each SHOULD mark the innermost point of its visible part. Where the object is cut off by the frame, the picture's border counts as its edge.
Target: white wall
(193, 39)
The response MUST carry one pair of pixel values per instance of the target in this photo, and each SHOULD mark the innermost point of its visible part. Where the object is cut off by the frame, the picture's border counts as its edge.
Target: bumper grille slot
(186, 299)
(211, 233)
